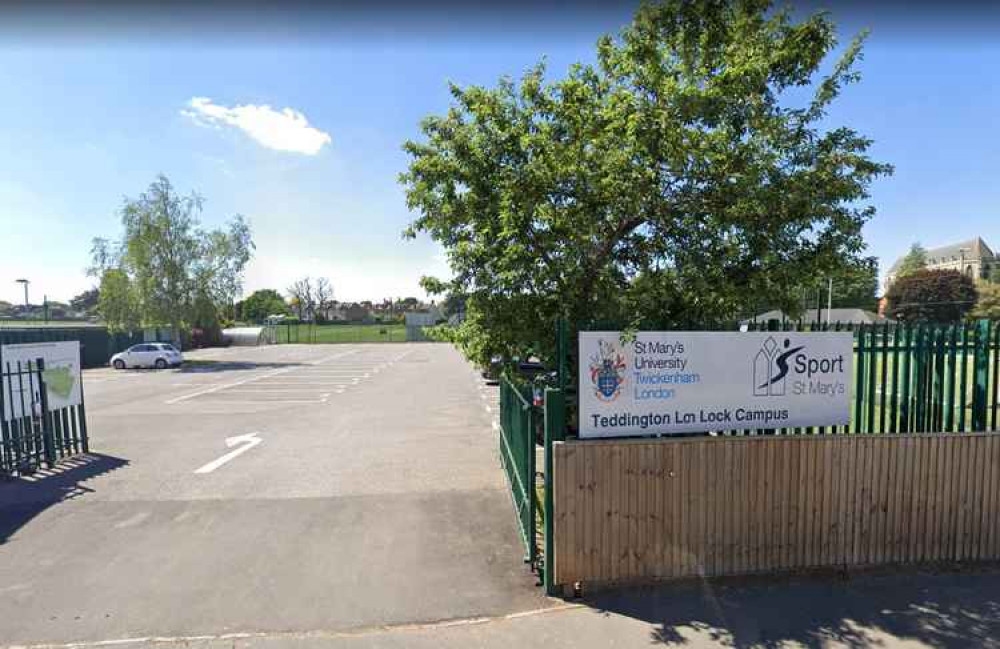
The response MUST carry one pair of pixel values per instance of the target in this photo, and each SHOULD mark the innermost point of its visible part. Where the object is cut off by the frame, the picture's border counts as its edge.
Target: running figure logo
(770, 367)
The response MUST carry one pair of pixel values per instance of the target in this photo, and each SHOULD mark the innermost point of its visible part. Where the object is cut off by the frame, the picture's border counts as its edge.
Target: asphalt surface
(372, 498)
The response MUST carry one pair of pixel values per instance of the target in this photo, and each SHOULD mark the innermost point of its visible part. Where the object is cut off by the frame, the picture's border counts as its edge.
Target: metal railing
(915, 378)
(311, 333)
(32, 435)
(519, 420)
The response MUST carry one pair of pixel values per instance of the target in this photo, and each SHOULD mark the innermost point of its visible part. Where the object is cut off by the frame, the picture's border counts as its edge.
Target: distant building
(843, 316)
(348, 312)
(426, 318)
(416, 321)
(973, 258)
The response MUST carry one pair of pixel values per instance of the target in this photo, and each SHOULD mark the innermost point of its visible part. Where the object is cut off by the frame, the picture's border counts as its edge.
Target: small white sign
(62, 376)
(665, 382)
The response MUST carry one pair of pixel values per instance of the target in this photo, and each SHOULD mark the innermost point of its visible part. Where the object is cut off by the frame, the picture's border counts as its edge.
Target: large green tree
(261, 304)
(931, 296)
(676, 179)
(177, 273)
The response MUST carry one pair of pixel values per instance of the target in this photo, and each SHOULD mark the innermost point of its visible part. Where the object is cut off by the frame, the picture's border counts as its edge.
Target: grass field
(375, 333)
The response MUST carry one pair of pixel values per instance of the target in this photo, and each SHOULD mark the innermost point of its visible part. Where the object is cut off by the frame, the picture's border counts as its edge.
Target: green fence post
(528, 440)
(907, 380)
(859, 381)
(981, 370)
(919, 381)
(872, 378)
(562, 352)
(995, 398)
(555, 431)
(48, 443)
(963, 379)
(954, 381)
(937, 398)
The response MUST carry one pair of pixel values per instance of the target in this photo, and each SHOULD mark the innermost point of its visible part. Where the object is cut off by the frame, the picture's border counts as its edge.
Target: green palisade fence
(97, 345)
(518, 423)
(34, 435)
(310, 333)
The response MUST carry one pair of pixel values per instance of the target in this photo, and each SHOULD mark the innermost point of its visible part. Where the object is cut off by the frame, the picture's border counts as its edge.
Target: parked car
(528, 369)
(158, 355)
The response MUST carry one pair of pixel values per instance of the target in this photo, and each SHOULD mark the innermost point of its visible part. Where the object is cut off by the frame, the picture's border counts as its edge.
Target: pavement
(350, 496)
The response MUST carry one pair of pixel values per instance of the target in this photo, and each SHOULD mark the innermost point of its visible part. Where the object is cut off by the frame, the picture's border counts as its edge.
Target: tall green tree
(915, 259)
(177, 272)
(118, 304)
(931, 296)
(675, 179)
(261, 304)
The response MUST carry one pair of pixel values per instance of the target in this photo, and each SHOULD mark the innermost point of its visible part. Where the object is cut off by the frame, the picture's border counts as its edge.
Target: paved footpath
(359, 504)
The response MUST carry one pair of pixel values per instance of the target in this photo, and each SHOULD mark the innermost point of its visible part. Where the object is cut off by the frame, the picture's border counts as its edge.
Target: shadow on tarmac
(21, 499)
(952, 608)
(211, 366)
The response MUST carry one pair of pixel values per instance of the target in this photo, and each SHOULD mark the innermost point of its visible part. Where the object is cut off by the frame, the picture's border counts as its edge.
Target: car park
(158, 355)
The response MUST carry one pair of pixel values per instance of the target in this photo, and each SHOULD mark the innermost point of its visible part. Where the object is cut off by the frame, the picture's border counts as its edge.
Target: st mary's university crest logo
(607, 371)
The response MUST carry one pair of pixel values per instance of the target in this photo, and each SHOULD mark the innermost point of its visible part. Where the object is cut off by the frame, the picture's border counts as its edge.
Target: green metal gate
(31, 434)
(518, 422)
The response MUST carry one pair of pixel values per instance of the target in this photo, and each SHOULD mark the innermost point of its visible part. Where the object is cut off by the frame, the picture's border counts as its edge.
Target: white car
(158, 355)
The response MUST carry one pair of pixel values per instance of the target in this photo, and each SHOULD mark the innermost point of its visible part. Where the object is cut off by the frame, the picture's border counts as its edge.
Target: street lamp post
(25, 282)
(829, 300)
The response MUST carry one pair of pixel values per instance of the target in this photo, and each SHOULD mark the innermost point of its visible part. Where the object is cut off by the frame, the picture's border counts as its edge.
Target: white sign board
(666, 382)
(61, 376)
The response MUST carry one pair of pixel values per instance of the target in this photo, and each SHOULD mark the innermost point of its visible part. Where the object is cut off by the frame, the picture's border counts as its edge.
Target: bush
(988, 305)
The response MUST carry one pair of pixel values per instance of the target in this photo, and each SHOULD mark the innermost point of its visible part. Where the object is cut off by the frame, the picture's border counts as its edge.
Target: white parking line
(234, 384)
(273, 391)
(336, 375)
(304, 383)
(258, 402)
(216, 388)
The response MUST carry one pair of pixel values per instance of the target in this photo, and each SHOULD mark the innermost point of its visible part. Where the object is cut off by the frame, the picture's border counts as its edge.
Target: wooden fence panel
(641, 510)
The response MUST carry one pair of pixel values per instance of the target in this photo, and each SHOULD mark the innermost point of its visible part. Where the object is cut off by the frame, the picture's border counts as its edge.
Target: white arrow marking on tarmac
(249, 441)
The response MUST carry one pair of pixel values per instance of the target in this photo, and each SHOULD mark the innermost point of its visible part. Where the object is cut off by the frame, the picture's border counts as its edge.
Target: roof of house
(975, 249)
(854, 316)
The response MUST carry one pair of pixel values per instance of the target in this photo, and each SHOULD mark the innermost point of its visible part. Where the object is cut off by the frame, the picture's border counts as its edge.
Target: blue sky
(86, 121)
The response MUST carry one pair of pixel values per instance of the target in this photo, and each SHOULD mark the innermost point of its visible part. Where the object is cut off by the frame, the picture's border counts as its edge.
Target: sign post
(681, 382)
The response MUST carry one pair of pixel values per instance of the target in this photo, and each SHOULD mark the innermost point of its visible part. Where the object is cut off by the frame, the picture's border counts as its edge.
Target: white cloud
(284, 130)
